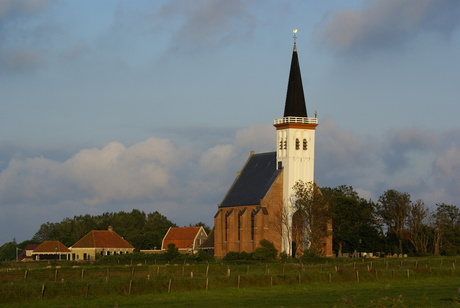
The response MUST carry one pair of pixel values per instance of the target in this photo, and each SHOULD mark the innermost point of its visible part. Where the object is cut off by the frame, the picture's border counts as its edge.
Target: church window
(285, 144)
(226, 224)
(253, 224)
(297, 144)
(239, 227)
(226, 227)
(305, 144)
(281, 144)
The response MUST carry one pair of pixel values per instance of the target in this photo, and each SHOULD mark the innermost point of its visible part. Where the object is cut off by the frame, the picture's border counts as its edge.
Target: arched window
(305, 144)
(226, 224)
(297, 144)
(253, 224)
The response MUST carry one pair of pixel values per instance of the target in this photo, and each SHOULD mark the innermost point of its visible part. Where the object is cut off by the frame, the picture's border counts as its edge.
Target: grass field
(436, 292)
(421, 282)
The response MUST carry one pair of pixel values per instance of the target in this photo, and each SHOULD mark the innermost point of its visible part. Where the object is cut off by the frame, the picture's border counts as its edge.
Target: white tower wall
(296, 155)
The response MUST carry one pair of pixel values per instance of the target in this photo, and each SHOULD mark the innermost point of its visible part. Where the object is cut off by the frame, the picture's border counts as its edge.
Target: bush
(236, 256)
(172, 252)
(267, 252)
(311, 255)
(204, 256)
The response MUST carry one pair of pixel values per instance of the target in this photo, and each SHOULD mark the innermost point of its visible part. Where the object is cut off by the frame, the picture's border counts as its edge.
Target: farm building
(100, 243)
(186, 239)
(51, 250)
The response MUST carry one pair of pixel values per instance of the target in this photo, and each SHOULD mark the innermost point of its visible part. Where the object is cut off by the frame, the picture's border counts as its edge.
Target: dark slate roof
(209, 242)
(295, 99)
(253, 182)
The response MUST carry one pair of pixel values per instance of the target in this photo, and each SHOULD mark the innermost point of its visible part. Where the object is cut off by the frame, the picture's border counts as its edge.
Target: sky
(114, 105)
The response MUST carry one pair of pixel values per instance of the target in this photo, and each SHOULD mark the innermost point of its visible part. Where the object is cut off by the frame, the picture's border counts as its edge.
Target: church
(258, 204)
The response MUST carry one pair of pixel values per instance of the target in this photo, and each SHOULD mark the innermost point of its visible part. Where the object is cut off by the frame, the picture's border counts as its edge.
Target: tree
(393, 209)
(202, 224)
(140, 230)
(311, 218)
(156, 227)
(447, 230)
(353, 220)
(8, 251)
(419, 231)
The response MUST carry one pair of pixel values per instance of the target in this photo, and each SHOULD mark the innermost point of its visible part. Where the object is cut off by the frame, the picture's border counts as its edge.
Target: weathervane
(295, 38)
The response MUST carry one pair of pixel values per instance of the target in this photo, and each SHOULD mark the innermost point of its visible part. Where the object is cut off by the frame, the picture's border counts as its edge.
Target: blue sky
(155, 105)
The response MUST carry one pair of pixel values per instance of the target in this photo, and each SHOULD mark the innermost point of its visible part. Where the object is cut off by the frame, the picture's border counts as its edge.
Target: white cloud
(447, 169)
(186, 183)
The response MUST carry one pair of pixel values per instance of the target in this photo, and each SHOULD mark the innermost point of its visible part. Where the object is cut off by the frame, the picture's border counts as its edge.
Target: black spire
(295, 99)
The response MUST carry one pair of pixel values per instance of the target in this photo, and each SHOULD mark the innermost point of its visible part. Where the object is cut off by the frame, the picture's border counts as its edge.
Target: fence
(24, 284)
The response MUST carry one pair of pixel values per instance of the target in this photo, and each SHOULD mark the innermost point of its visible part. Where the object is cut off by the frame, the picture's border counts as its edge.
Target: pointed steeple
(295, 99)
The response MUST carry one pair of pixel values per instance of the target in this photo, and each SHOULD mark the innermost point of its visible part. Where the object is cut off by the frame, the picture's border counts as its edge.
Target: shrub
(172, 252)
(235, 256)
(267, 252)
(204, 256)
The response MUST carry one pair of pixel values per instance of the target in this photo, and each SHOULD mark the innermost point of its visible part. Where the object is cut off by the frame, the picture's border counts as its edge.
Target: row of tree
(143, 231)
(393, 224)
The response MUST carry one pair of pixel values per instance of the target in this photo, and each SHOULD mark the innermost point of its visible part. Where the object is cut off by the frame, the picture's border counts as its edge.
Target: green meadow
(408, 282)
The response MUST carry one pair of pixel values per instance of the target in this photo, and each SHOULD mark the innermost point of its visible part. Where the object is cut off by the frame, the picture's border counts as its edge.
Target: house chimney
(110, 229)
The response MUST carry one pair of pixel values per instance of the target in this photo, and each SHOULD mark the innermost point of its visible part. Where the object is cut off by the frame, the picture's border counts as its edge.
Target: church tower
(295, 153)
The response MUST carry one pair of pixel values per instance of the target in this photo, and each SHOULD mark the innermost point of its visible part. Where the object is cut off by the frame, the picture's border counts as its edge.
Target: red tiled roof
(102, 239)
(51, 247)
(181, 237)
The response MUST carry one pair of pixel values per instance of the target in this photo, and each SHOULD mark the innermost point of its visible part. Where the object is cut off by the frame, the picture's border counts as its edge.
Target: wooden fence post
(169, 285)
(25, 274)
(239, 277)
(87, 290)
(357, 276)
(82, 273)
(330, 277)
(43, 291)
(130, 286)
(207, 284)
